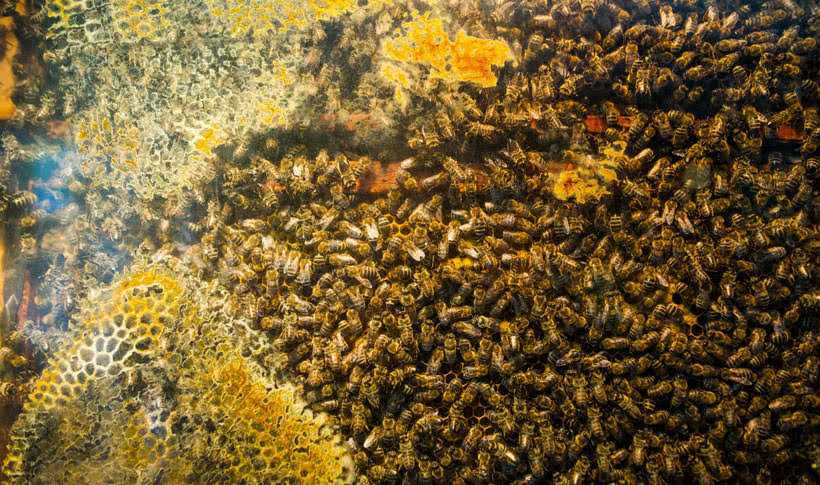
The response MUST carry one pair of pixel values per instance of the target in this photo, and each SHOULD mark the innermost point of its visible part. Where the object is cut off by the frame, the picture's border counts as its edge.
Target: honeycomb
(69, 20)
(289, 447)
(112, 339)
(147, 95)
(156, 381)
(139, 18)
(146, 121)
(257, 17)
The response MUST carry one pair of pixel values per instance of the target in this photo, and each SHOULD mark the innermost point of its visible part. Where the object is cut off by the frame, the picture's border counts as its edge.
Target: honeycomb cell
(143, 344)
(125, 346)
(103, 360)
(120, 354)
(111, 345)
(86, 354)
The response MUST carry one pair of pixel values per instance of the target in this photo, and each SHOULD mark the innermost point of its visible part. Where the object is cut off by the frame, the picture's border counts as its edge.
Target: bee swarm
(487, 332)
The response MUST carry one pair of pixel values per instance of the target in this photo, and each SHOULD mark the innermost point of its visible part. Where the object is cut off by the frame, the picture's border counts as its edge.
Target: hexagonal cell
(103, 360)
(118, 319)
(114, 369)
(111, 345)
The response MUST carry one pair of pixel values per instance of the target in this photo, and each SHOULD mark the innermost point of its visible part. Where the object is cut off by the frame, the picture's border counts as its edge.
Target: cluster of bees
(468, 327)
(502, 335)
(47, 231)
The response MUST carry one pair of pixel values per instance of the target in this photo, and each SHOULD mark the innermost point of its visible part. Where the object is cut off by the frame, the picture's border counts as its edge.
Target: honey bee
(571, 85)
(22, 199)
(484, 466)
(482, 130)
(611, 112)
(407, 454)
(783, 403)
(11, 358)
(685, 60)
(791, 421)
(696, 74)
(399, 354)
(760, 37)
(642, 82)
(664, 127)
(628, 406)
(450, 348)
(613, 37)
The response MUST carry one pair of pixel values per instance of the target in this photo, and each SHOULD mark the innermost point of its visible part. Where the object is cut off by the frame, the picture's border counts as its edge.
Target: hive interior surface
(404, 242)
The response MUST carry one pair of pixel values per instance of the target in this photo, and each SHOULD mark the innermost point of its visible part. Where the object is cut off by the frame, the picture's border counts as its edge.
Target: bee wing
(364, 282)
(414, 252)
(371, 230)
(327, 220)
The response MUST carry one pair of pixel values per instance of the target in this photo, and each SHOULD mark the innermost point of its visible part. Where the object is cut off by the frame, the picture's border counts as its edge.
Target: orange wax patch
(467, 59)
(378, 178)
(7, 79)
(788, 132)
(473, 58)
(207, 141)
(595, 124)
